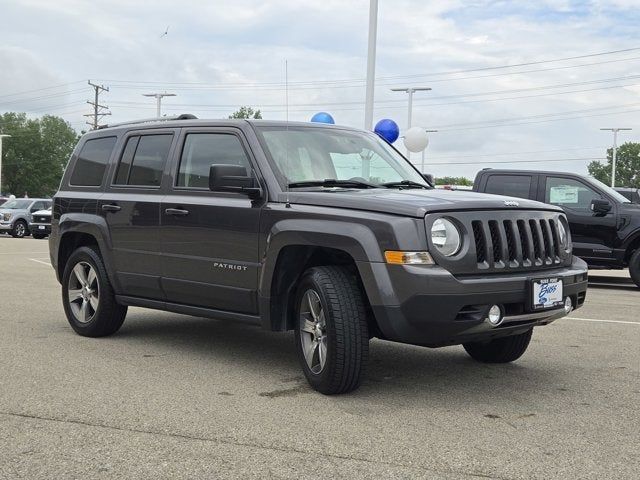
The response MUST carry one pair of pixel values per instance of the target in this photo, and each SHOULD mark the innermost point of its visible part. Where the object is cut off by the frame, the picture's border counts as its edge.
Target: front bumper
(5, 227)
(431, 307)
(40, 228)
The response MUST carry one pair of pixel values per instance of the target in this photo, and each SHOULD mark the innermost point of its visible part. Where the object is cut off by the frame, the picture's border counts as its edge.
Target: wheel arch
(632, 244)
(84, 230)
(291, 251)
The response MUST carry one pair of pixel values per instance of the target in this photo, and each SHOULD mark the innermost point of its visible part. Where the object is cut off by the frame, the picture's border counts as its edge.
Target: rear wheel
(500, 350)
(332, 339)
(634, 267)
(19, 229)
(87, 295)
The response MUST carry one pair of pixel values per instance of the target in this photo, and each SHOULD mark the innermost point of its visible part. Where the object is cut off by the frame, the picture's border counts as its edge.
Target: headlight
(562, 235)
(7, 217)
(445, 236)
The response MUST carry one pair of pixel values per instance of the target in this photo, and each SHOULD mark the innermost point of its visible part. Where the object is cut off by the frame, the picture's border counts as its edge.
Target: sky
(515, 84)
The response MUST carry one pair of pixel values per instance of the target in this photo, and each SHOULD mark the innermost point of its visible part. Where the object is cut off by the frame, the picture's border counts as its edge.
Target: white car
(40, 224)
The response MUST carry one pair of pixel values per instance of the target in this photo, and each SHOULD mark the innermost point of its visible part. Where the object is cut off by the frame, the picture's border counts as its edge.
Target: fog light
(494, 317)
(568, 305)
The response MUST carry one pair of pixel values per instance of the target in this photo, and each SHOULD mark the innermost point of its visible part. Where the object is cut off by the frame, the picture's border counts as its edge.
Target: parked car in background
(605, 225)
(40, 225)
(16, 215)
(633, 194)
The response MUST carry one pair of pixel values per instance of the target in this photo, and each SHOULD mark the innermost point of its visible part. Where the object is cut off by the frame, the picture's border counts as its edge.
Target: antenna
(286, 134)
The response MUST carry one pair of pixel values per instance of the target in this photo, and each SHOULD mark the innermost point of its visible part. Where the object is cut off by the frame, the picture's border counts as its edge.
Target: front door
(210, 239)
(131, 208)
(593, 235)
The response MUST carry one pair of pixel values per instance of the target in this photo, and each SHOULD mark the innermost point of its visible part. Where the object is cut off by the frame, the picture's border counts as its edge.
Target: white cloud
(246, 42)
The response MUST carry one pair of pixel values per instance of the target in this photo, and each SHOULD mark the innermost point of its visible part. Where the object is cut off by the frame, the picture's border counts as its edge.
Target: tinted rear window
(92, 162)
(510, 185)
(143, 160)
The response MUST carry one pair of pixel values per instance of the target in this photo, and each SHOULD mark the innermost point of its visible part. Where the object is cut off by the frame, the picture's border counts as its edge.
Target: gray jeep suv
(17, 214)
(324, 230)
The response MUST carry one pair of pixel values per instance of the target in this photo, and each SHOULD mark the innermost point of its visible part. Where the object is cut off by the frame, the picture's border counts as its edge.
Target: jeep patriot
(324, 230)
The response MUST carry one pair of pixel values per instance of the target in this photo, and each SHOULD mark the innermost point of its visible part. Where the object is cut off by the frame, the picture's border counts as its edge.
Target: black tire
(108, 316)
(37, 236)
(634, 267)
(20, 229)
(346, 333)
(500, 350)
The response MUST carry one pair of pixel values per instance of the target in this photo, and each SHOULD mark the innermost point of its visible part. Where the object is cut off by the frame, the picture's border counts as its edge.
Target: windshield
(307, 154)
(17, 204)
(618, 197)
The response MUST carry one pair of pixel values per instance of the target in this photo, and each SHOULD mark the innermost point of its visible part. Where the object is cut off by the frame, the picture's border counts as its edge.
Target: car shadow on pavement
(404, 373)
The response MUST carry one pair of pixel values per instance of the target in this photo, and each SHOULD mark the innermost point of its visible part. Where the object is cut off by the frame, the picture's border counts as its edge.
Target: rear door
(593, 236)
(131, 208)
(512, 185)
(210, 239)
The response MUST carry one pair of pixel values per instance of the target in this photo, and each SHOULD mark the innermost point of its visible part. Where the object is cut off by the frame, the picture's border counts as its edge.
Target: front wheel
(87, 295)
(332, 336)
(500, 350)
(634, 267)
(19, 229)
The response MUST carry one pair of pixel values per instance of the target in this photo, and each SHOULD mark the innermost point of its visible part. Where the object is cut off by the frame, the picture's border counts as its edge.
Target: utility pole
(615, 152)
(158, 97)
(2, 137)
(99, 111)
(410, 91)
(371, 64)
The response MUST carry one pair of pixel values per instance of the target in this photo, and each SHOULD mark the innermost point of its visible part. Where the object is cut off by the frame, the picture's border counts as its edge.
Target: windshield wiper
(332, 182)
(405, 184)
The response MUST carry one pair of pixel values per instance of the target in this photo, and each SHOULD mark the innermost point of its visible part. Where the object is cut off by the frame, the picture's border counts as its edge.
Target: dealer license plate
(547, 293)
(40, 227)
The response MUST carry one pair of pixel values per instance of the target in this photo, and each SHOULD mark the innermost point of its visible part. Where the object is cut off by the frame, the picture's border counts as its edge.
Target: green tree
(35, 155)
(627, 166)
(246, 112)
(453, 181)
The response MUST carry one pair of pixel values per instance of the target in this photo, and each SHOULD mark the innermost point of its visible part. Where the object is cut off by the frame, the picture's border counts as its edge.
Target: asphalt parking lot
(172, 396)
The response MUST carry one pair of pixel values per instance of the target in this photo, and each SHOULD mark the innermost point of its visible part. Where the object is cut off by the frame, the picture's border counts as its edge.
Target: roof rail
(182, 116)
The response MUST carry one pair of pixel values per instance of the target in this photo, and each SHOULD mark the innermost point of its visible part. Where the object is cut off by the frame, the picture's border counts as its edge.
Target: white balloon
(416, 139)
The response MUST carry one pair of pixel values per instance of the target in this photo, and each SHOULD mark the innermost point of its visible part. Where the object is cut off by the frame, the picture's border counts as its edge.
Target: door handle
(108, 207)
(178, 212)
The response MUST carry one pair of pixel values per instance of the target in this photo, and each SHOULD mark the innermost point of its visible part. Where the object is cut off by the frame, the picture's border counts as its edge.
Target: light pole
(422, 161)
(2, 137)
(410, 91)
(615, 152)
(371, 64)
(158, 97)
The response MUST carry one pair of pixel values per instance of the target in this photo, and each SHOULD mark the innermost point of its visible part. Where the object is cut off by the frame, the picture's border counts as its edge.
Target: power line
(581, 159)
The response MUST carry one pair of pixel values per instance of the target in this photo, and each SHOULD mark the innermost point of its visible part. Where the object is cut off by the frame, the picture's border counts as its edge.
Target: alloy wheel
(83, 292)
(313, 331)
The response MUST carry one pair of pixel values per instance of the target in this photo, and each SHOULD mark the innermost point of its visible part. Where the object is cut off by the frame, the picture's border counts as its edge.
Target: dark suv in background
(605, 225)
(324, 230)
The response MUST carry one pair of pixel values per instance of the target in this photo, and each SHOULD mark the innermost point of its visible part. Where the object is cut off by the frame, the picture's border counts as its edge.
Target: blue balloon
(323, 117)
(387, 129)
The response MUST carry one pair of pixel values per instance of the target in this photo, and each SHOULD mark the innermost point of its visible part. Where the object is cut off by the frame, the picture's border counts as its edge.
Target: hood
(410, 202)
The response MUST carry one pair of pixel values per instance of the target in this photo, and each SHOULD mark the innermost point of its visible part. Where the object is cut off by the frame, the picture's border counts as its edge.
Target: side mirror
(429, 178)
(233, 178)
(600, 207)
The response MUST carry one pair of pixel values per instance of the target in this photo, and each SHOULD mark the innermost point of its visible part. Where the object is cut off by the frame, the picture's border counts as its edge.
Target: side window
(201, 150)
(36, 206)
(569, 193)
(143, 160)
(510, 185)
(92, 162)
